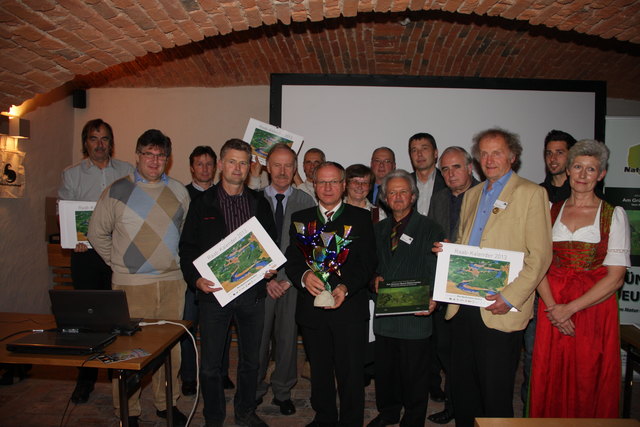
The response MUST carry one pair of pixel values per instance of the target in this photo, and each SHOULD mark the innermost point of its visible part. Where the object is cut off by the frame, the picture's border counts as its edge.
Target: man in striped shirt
(212, 217)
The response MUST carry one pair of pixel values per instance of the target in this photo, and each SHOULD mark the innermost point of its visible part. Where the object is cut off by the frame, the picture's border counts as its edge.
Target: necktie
(395, 239)
(328, 215)
(279, 217)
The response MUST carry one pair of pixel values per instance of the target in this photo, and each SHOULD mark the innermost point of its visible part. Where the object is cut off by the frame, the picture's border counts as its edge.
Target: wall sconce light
(15, 127)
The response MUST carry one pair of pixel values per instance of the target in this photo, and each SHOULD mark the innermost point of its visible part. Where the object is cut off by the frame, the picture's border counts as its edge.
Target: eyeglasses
(331, 183)
(147, 155)
(383, 161)
(355, 183)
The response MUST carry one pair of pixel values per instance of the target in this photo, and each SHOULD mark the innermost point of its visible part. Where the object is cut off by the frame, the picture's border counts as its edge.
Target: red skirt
(577, 377)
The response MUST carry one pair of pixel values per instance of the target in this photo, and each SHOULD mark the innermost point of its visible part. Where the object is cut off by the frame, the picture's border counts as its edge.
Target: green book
(402, 297)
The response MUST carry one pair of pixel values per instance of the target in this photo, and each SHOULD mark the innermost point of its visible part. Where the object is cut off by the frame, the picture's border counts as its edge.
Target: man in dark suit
(457, 170)
(403, 342)
(335, 337)
(383, 161)
(280, 304)
(423, 153)
(212, 217)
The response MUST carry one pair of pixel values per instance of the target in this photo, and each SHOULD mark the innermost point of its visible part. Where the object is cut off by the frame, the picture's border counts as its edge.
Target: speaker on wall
(79, 98)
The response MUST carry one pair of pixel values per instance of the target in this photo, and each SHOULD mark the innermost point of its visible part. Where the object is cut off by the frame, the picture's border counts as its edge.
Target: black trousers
(484, 363)
(402, 379)
(336, 354)
(89, 271)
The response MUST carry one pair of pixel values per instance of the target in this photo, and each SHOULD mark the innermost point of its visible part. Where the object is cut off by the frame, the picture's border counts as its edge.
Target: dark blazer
(356, 272)
(438, 182)
(409, 261)
(439, 211)
(205, 227)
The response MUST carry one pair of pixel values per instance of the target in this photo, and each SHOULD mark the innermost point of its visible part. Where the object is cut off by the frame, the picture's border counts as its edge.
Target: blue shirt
(271, 192)
(374, 198)
(487, 200)
(139, 178)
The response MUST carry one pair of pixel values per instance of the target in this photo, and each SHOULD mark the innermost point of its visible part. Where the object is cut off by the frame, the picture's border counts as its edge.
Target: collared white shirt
(425, 191)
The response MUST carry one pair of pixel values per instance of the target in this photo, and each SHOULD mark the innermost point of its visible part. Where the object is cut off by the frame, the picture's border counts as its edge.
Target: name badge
(500, 204)
(406, 239)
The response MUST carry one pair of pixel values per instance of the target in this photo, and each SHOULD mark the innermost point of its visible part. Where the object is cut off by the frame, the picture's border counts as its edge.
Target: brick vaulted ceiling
(45, 45)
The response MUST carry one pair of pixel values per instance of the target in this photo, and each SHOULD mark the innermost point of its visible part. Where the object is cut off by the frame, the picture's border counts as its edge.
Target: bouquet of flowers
(314, 243)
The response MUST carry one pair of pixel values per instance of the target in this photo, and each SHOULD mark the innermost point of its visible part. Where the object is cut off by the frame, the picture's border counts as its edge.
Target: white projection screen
(348, 116)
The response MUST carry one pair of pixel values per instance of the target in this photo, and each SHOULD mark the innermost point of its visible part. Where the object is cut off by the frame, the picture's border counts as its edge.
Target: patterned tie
(279, 217)
(328, 215)
(395, 239)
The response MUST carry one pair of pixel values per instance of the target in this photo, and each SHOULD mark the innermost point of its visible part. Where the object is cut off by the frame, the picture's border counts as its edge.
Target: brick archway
(163, 43)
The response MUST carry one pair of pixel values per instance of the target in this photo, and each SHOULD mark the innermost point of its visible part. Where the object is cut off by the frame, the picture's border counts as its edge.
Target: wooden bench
(60, 265)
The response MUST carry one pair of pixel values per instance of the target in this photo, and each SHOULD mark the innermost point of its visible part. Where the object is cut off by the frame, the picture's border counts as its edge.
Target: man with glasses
(135, 228)
(84, 182)
(212, 217)
(334, 337)
(383, 161)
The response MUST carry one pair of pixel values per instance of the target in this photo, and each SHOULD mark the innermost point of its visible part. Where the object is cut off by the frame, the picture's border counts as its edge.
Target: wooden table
(630, 342)
(156, 340)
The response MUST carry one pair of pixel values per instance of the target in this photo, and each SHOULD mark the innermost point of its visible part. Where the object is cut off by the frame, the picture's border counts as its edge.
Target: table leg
(169, 388)
(123, 398)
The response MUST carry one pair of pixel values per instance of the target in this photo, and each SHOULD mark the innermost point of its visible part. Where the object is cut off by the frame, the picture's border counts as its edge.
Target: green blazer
(409, 261)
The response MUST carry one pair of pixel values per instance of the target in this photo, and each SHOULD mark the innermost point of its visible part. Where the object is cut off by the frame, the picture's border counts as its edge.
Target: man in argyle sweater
(135, 228)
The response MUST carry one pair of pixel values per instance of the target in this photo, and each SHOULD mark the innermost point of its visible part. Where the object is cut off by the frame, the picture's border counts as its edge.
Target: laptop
(87, 321)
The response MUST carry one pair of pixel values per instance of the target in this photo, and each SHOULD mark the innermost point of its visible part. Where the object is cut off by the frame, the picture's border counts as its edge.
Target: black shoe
(440, 417)
(189, 388)
(179, 419)
(379, 422)
(437, 395)
(227, 383)
(250, 419)
(133, 421)
(81, 392)
(286, 406)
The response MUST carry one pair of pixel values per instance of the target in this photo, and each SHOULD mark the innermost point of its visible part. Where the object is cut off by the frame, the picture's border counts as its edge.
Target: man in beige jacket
(511, 213)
